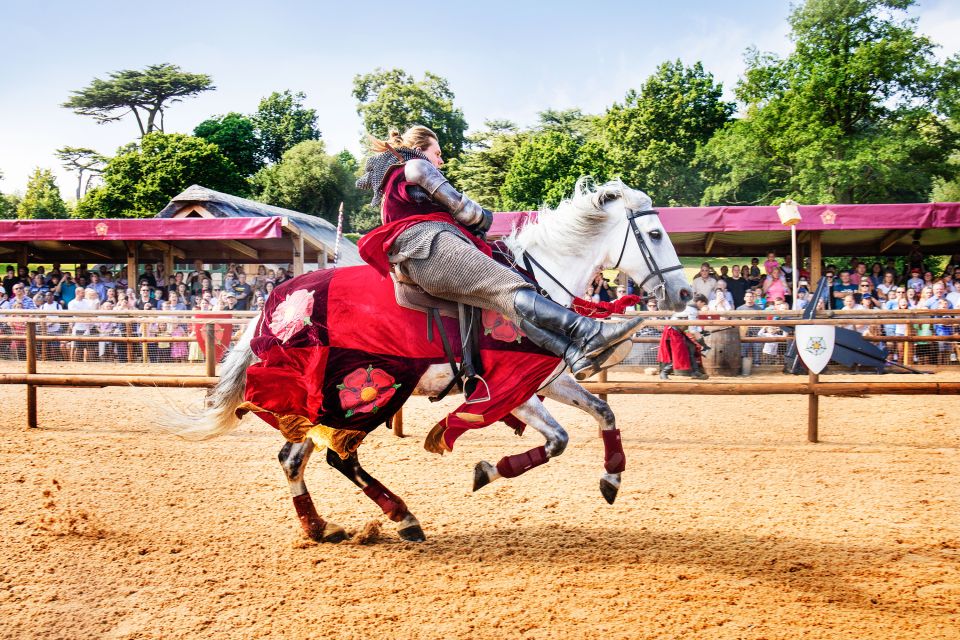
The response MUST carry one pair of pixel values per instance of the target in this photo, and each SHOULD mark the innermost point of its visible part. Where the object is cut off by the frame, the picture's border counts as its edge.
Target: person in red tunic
(433, 235)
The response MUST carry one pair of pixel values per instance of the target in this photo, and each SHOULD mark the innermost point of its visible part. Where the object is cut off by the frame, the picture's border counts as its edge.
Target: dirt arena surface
(728, 525)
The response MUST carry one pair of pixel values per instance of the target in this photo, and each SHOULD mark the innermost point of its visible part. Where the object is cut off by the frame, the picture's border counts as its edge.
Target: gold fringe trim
(434, 442)
(297, 429)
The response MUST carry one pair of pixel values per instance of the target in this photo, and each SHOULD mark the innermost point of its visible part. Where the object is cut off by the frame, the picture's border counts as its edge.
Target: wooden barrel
(723, 358)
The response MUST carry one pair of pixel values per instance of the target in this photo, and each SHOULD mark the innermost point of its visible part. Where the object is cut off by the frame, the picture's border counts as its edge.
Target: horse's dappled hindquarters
(333, 356)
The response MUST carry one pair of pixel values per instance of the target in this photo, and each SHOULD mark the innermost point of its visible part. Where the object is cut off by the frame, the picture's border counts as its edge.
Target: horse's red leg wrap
(614, 460)
(392, 506)
(310, 520)
(512, 466)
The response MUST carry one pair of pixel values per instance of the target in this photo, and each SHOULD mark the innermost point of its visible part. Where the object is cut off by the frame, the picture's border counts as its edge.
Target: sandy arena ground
(728, 525)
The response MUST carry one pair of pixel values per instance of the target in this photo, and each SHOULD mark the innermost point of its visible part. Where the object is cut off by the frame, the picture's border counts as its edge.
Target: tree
(394, 100)
(481, 169)
(139, 182)
(145, 94)
(282, 123)
(82, 160)
(550, 159)
(42, 198)
(236, 135)
(652, 138)
(309, 180)
(854, 114)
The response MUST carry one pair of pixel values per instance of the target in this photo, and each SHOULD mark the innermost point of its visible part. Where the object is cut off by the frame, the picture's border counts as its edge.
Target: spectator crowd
(107, 290)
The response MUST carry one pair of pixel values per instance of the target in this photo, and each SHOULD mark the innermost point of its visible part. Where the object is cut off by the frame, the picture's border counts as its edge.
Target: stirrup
(486, 398)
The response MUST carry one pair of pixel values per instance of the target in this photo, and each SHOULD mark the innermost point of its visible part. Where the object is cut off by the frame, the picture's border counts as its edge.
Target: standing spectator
(944, 349)
(52, 325)
(876, 274)
(86, 300)
(887, 284)
(770, 263)
(242, 291)
(859, 274)
(754, 276)
(107, 328)
(38, 285)
(19, 297)
(864, 289)
(704, 284)
(97, 285)
(916, 279)
(176, 304)
(268, 289)
(775, 285)
(8, 281)
(737, 286)
(938, 293)
(842, 288)
(749, 349)
(148, 276)
(721, 299)
(915, 257)
(911, 297)
(260, 281)
(144, 298)
(282, 276)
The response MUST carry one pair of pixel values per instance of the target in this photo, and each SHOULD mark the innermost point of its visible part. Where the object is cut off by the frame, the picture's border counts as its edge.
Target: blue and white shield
(815, 345)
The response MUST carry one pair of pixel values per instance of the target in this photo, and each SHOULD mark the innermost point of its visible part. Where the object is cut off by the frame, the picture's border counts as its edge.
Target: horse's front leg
(293, 458)
(393, 507)
(534, 414)
(565, 390)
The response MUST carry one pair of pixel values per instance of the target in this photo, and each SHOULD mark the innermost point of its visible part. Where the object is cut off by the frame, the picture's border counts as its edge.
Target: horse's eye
(655, 234)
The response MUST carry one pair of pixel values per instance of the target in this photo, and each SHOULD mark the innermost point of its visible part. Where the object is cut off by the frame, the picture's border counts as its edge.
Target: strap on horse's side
(433, 318)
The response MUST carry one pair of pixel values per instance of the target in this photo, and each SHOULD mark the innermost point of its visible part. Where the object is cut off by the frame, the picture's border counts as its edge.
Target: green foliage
(550, 159)
(282, 122)
(309, 180)
(145, 94)
(394, 100)
(83, 161)
(853, 115)
(42, 198)
(481, 170)
(652, 138)
(8, 206)
(139, 182)
(236, 135)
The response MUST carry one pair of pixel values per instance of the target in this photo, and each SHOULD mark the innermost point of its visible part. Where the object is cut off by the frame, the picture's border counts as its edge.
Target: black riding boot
(666, 368)
(584, 343)
(695, 370)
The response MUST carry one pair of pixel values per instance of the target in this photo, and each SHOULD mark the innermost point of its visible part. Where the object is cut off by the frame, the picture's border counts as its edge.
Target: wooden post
(132, 259)
(146, 346)
(297, 264)
(816, 257)
(167, 265)
(31, 368)
(908, 348)
(398, 423)
(813, 410)
(208, 341)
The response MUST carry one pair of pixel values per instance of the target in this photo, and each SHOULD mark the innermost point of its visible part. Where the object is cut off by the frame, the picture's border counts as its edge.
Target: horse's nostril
(685, 295)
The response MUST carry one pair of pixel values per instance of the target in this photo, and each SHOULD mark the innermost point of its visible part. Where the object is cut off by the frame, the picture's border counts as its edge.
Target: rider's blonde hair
(416, 137)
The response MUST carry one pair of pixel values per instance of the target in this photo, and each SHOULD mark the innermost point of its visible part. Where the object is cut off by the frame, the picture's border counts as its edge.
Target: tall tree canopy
(140, 181)
(652, 138)
(145, 94)
(83, 161)
(854, 114)
(282, 122)
(309, 180)
(42, 198)
(482, 168)
(395, 100)
(550, 159)
(236, 135)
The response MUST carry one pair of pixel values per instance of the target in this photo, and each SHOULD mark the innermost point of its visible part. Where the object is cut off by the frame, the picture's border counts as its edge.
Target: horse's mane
(571, 227)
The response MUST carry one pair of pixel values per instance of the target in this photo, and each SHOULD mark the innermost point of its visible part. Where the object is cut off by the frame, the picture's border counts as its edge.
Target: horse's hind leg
(293, 458)
(393, 507)
(566, 390)
(534, 414)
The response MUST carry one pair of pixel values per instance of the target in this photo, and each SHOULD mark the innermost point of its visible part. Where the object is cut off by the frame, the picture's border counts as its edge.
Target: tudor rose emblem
(815, 345)
(101, 228)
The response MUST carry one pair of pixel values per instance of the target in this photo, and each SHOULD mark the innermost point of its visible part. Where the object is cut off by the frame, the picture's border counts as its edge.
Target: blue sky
(503, 59)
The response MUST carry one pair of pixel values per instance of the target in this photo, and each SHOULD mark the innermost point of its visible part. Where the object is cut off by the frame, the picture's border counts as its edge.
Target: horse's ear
(603, 196)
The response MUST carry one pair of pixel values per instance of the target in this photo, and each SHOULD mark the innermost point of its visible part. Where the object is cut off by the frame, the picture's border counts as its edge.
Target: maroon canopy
(141, 229)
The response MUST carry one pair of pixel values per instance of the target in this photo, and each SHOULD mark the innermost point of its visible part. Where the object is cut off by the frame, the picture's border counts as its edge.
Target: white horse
(610, 226)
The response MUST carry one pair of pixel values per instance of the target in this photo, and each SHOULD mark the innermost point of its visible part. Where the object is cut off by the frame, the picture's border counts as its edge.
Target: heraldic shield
(815, 345)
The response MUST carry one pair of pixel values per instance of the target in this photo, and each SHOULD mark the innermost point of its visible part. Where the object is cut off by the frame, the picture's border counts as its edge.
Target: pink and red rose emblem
(292, 315)
(499, 327)
(366, 390)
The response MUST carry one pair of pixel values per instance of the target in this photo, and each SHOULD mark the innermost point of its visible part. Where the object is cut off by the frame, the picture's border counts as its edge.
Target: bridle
(659, 291)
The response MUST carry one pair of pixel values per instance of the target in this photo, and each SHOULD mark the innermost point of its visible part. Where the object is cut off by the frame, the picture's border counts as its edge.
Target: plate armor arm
(463, 209)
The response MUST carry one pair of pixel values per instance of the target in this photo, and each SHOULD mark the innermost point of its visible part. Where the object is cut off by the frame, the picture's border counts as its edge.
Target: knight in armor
(434, 236)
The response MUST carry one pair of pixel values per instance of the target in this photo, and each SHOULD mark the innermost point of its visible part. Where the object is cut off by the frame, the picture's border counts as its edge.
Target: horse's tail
(217, 415)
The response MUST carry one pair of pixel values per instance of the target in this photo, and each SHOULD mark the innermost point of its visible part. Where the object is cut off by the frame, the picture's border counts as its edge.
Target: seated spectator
(107, 328)
(842, 289)
(19, 297)
(912, 297)
(925, 294)
(736, 285)
(38, 285)
(721, 299)
(863, 289)
(945, 352)
(938, 293)
(775, 285)
(887, 284)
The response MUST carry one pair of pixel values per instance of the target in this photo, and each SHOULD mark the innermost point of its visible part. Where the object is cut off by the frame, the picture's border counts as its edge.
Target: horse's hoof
(482, 473)
(412, 534)
(609, 487)
(333, 533)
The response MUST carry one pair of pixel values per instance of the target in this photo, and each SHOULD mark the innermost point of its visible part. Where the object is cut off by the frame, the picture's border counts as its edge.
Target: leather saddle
(468, 373)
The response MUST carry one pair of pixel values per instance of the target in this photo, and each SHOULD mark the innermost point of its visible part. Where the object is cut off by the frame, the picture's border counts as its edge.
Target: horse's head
(635, 242)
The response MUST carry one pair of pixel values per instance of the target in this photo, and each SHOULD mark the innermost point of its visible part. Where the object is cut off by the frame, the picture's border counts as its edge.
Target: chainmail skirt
(439, 258)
